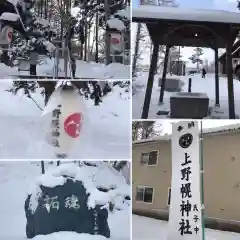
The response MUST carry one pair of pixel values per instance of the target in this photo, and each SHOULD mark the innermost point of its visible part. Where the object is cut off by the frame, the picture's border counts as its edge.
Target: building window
(144, 194)
(169, 197)
(149, 158)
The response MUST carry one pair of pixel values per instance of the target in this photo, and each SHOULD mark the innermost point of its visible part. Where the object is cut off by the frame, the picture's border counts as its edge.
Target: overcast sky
(227, 5)
(166, 125)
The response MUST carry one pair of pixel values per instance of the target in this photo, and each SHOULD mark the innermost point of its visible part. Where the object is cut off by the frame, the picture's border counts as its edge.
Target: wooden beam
(216, 78)
(231, 104)
(164, 74)
(152, 70)
(189, 42)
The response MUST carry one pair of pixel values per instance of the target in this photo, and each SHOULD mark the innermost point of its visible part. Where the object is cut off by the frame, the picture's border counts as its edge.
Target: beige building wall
(221, 175)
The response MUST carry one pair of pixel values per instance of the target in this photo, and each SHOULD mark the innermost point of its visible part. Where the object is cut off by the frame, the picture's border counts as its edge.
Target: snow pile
(42, 21)
(144, 228)
(13, 17)
(84, 69)
(89, 70)
(93, 177)
(126, 13)
(117, 71)
(69, 236)
(49, 46)
(115, 23)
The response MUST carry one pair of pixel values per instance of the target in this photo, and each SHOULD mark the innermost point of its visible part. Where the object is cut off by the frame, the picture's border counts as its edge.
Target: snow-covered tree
(143, 42)
(145, 129)
(196, 57)
(90, 90)
(114, 15)
(31, 33)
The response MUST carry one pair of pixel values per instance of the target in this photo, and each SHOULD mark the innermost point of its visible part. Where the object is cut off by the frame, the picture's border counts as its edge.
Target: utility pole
(107, 37)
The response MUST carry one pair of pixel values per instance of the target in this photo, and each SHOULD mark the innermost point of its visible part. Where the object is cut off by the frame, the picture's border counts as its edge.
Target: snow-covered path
(199, 85)
(15, 181)
(84, 69)
(151, 229)
(23, 130)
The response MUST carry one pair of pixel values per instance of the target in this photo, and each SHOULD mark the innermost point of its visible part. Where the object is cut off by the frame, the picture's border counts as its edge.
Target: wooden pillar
(231, 106)
(148, 93)
(216, 78)
(164, 74)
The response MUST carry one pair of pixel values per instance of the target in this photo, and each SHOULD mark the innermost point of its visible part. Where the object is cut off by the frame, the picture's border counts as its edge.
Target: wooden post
(152, 69)
(42, 167)
(231, 106)
(216, 78)
(164, 74)
(190, 85)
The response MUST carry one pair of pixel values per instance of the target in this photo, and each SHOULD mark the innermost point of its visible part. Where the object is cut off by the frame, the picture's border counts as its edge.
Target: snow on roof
(13, 17)
(115, 23)
(184, 14)
(206, 131)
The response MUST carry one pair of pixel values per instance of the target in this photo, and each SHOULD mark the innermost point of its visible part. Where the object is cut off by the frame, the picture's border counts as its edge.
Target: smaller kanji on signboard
(195, 218)
(196, 229)
(195, 208)
(191, 124)
(180, 128)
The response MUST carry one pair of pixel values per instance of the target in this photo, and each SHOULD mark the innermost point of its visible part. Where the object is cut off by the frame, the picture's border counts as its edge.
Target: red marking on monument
(72, 124)
(115, 41)
(10, 36)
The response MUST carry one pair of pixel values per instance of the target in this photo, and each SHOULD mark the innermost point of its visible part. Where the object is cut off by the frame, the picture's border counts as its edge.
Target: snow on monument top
(101, 175)
(12, 17)
(70, 236)
(116, 23)
(184, 14)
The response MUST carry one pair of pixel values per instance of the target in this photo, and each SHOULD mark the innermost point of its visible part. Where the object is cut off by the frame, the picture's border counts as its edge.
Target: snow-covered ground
(16, 180)
(199, 85)
(23, 129)
(144, 228)
(84, 69)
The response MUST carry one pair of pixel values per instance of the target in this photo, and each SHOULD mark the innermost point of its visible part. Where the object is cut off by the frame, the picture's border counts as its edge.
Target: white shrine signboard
(185, 216)
(116, 43)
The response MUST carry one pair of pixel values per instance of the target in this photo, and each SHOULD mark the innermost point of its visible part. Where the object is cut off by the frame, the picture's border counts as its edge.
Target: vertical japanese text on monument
(189, 222)
(56, 126)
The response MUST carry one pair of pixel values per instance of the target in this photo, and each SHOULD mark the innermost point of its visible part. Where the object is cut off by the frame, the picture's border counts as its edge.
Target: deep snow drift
(144, 228)
(15, 178)
(199, 85)
(24, 130)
